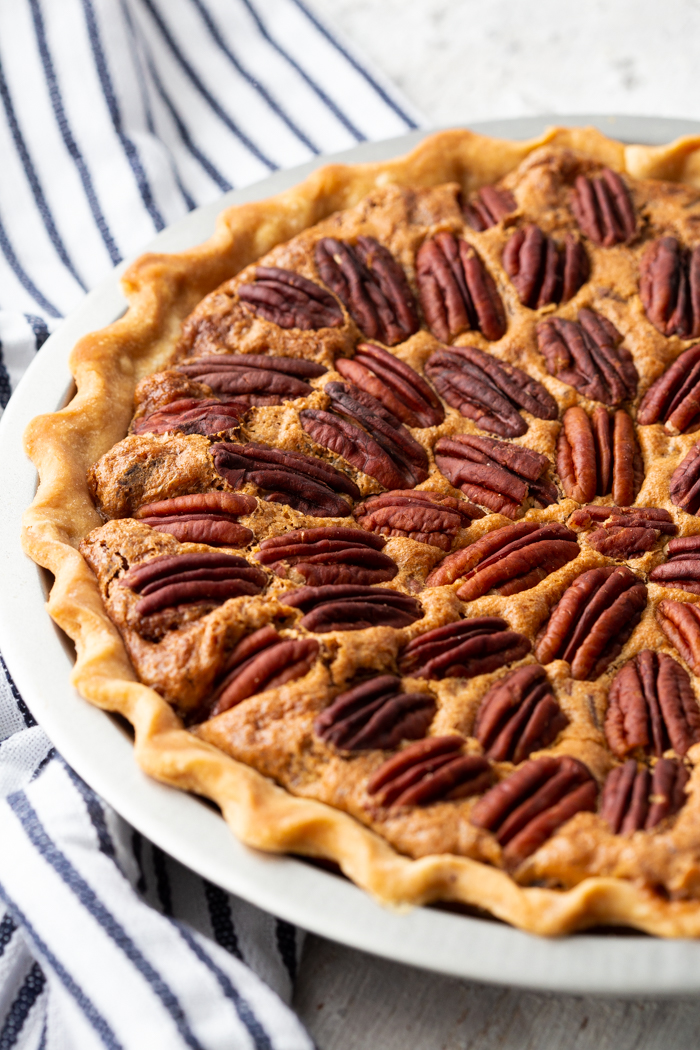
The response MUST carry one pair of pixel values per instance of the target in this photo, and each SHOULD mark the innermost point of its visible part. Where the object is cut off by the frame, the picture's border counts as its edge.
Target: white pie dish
(101, 750)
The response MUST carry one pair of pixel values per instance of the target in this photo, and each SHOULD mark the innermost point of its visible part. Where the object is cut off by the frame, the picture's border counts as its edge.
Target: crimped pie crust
(651, 883)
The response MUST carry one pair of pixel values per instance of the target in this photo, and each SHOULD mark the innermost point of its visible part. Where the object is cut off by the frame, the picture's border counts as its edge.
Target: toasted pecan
(542, 272)
(352, 607)
(599, 454)
(263, 660)
(376, 714)
(427, 517)
(488, 207)
(674, 399)
(408, 457)
(185, 579)
(651, 705)
(203, 517)
(463, 649)
(329, 555)
(682, 568)
(433, 770)
(626, 532)
(684, 487)
(457, 293)
(488, 391)
(304, 482)
(497, 475)
(592, 621)
(589, 355)
(680, 622)
(526, 808)
(191, 415)
(669, 286)
(396, 385)
(634, 799)
(373, 286)
(603, 208)
(507, 560)
(519, 714)
(253, 379)
(289, 300)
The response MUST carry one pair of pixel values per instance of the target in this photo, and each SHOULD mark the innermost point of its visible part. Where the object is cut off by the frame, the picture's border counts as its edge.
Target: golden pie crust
(277, 789)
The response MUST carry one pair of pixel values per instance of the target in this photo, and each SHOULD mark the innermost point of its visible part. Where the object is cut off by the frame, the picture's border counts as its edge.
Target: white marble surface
(460, 61)
(467, 60)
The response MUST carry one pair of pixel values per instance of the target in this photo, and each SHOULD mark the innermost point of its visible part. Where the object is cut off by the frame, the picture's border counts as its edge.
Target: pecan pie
(378, 517)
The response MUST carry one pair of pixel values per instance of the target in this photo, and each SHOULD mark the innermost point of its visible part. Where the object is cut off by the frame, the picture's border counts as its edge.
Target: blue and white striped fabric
(116, 118)
(119, 116)
(105, 941)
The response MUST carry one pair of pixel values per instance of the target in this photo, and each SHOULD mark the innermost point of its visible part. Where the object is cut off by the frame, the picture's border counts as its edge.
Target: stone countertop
(460, 61)
(353, 1001)
(469, 60)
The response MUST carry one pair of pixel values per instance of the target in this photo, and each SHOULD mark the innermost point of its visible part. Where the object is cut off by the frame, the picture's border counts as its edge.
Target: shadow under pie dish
(337, 441)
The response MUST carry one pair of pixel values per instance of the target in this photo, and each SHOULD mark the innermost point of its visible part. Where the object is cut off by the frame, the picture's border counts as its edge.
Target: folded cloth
(119, 116)
(116, 118)
(105, 940)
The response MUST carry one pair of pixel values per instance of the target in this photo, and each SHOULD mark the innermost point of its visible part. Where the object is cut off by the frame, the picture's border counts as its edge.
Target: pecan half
(669, 286)
(540, 270)
(331, 555)
(488, 207)
(406, 453)
(433, 770)
(254, 379)
(603, 209)
(261, 661)
(519, 714)
(526, 808)
(599, 454)
(588, 355)
(376, 714)
(674, 399)
(463, 649)
(488, 391)
(495, 474)
(303, 482)
(185, 579)
(635, 800)
(594, 618)
(352, 607)
(394, 384)
(373, 286)
(290, 300)
(355, 446)
(507, 560)
(427, 517)
(206, 517)
(680, 622)
(682, 569)
(652, 705)
(191, 415)
(380, 447)
(627, 532)
(684, 487)
(456, 291)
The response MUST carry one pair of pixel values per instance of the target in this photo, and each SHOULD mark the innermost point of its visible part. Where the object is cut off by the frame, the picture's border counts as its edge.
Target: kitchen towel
(116, 118)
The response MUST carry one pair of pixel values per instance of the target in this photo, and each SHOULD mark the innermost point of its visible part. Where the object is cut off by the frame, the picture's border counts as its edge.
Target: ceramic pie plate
(98, 746)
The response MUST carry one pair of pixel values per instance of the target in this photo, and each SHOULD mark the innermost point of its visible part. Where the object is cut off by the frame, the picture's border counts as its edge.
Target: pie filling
(409, 522)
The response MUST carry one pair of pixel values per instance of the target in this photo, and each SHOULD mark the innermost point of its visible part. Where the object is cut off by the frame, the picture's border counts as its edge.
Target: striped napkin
(116, 118)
